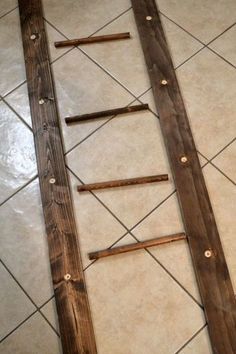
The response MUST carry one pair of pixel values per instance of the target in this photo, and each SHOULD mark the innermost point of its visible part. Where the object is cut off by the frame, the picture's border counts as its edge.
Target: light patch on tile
(17, 156)
(205, 19)
(15, 307)
(225, 45)
(126, 147)
(97, 228)
(78, 19)
(175, 257)
(124, 59)
(223, 198)
(35, 336)
(7, 5)
(130, 297)
(209, 87)
(12, 67)
(49, 310)
(82, 87)
(226, 161)
(23, 244)
(199, 345)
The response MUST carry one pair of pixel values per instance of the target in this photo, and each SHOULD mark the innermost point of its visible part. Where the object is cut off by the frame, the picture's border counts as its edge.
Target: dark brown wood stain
(94, 39)
(74, 316)
(137, 246)
(212, 273)
(122, 182)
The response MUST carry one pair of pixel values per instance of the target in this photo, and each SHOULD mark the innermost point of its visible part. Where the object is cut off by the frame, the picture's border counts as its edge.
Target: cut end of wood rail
(107, 113)
(122, 182)
(90, 40)
(136, 246)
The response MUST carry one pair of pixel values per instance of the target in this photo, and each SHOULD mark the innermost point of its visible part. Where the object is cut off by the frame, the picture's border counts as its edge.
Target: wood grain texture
(76, 328)
(107, 113)
(136, 246)
(94, 39)
(122, 182)
(212, 273)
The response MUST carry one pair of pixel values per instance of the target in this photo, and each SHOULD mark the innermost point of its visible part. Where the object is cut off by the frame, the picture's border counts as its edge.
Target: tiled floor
(145, 302)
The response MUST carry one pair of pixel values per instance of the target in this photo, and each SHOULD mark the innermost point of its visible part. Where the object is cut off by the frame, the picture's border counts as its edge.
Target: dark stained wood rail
(90, 40)
(137, 246)
(122, 183)
(74, 316)
(207, 254)
(107, 113)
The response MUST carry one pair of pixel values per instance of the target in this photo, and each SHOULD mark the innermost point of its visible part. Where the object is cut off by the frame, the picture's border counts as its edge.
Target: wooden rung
(95, 39)
(122, 182)
(137, 246)
(107, 113)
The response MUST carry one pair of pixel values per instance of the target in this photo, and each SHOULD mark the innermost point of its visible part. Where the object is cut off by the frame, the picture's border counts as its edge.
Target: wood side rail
(95, 39)
(122, 182)
(136, 246)
(107, 113)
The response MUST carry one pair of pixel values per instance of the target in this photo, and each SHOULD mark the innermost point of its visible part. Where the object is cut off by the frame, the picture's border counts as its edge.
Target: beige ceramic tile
(124, 59)
(226, 161)
(54, 36)
(15, 307)
(130, 297)
(128, 146)
(7, 5)
(78, 19)
(209, 87)
(147, 97)
(35, 336)
(97, 228)
(23, 244)
(175, 257)
(199, 345)
(50, 311)
(225, 45)
(204, 19)
(17, 157)
(82, 87)
(12, 68)
(223, 197)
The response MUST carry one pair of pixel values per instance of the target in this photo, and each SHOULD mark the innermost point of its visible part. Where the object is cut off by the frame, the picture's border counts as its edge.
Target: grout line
(218, 169)
(129, 231)
(8, 12)
(18, 326)
(48, 322)
(219, 35)
(94, 131)
(15, 88)
(17, 114)
(218, 153)
(18, 190)
(190, 339)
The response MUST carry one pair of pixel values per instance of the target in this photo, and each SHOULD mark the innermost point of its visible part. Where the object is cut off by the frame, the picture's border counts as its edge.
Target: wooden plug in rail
(107, 113)
(136, 246)
(122, 183)
(74, 316)
(203, 238)
(90, 40)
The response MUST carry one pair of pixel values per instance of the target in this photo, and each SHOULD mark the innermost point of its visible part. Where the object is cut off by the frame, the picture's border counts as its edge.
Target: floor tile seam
(19, 190)
(18, 326)
(8, 12)
(222, 150)
(14, 89)
(18, 283)
(223, 173)
(17, 114)
(191, 338)
(172, 276)
(107, 120)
